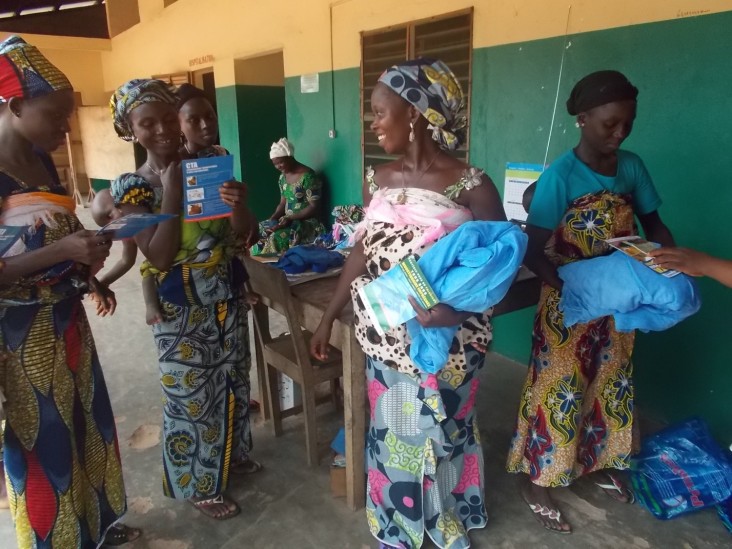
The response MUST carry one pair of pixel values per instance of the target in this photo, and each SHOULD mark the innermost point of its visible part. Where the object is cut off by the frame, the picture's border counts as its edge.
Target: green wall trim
(683, 130)
(251, 118)
(310, 117)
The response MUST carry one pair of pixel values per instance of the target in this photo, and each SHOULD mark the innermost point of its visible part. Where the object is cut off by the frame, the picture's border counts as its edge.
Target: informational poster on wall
(310, 83)
(518, 177)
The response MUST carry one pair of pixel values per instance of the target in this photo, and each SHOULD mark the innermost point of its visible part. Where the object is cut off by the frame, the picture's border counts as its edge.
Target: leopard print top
(385, 245)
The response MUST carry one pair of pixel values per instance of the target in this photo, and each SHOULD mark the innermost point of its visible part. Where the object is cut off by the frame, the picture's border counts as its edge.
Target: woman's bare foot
(218, 507)
(543, 507)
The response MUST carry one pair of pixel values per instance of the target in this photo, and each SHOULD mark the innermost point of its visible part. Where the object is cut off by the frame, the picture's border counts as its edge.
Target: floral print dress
(576, 410)
(299, 231)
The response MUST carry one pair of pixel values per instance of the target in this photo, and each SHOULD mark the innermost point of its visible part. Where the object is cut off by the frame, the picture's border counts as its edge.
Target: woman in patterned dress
(425, 463)
(576, 410)
(295, 221)
(202, 340)
(62, 464)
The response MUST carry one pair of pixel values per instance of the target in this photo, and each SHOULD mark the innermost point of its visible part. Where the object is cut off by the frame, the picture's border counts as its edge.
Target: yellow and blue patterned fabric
(131, 95)
(61, 455)
(435, 91)
(203, 351)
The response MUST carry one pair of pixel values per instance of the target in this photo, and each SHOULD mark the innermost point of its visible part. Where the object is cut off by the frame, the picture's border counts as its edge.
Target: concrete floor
(288, 505)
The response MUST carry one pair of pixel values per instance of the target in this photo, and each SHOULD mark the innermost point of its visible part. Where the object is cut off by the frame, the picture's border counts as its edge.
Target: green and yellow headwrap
(131, 95)
(434, 90)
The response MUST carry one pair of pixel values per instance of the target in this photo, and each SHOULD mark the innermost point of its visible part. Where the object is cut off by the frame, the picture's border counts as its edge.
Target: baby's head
(103, 209)
(528, 196)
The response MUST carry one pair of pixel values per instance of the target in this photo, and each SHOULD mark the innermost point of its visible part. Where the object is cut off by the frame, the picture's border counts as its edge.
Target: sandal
(553, 514)
(119, 534)
(206, 507)
(616, 489)
(247, 467)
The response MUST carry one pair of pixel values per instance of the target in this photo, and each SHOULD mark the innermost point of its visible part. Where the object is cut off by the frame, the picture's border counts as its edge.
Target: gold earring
(411, 132)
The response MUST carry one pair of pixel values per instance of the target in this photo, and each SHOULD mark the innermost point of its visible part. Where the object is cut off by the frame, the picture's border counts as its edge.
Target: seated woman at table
(424, 457)
(295, 221)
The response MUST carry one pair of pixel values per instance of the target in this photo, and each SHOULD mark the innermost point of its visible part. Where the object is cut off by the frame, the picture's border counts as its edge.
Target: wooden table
(314, 297)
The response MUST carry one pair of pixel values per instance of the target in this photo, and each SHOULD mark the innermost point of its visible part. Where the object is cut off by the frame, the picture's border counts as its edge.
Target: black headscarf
(186, 92)
(600, 88)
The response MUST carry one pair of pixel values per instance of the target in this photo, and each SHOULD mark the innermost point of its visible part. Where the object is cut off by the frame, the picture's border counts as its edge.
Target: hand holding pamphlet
(386, 300)
(131, 224)
(638, 248)
(202, 178)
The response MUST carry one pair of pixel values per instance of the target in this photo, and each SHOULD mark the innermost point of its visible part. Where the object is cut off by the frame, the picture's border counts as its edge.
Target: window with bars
(176, 78)
(448, 38)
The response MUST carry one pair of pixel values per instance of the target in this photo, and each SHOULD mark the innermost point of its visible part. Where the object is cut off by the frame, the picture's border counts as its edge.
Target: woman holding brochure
(419, 437)
(61, 456)
(202, 339)
(576, 410)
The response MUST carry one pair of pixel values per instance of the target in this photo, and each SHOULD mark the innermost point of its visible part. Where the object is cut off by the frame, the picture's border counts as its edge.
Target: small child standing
(104, 211)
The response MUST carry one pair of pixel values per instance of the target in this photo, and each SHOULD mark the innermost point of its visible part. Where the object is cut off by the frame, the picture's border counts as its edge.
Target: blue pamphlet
(131, 224)
(202, 178)
(9, 236)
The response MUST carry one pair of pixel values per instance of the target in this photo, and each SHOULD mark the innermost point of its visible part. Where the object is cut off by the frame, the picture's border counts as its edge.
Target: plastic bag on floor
(681, 469)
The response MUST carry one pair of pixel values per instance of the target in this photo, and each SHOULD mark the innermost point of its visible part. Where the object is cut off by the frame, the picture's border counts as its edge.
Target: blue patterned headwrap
(434, 90)
(131, 95)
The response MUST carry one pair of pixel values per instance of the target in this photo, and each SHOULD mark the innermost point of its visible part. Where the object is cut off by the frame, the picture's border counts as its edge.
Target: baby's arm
(129, 254)
(153, 314)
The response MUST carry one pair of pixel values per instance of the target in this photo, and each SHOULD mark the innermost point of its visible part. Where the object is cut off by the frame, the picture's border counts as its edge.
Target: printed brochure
(385, 298)
(131, 224)
(8, 236)
(202, 178)
(638, 248)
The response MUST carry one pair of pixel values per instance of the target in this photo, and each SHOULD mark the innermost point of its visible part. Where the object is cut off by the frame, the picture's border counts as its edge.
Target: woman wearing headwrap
(203, 354)
(576, 411)
(62, 462)
(295, 221)
(425, 464)
(198, 123)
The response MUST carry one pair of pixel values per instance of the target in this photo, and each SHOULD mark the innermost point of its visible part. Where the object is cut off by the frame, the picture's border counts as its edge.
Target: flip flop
(247, 467)
(553, 514)
(119, 534)
(616, 489)
(203, 507)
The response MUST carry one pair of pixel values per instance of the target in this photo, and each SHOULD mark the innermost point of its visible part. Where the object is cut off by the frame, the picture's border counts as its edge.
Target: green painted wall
(251, 118)
(310, 116)
(683, 132)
